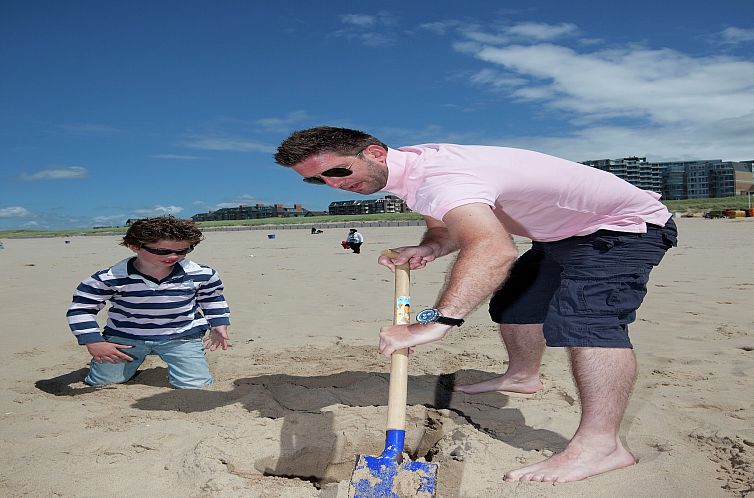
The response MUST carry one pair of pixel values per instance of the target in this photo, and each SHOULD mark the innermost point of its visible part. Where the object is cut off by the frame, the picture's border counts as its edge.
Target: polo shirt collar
(398, 163)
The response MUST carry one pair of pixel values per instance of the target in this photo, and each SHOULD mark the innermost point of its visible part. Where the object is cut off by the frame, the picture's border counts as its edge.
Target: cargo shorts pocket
(618, 295)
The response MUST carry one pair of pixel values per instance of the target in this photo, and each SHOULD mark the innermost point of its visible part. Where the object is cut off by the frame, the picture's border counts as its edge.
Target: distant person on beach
(354, 240)
(316, 231)
(595, 239)
(162, 304)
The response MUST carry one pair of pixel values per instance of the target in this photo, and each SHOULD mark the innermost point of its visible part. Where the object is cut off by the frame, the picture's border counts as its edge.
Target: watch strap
(450, 321)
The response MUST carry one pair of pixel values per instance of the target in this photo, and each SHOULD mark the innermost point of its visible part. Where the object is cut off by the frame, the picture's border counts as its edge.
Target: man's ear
(133, 248)
(376, 152)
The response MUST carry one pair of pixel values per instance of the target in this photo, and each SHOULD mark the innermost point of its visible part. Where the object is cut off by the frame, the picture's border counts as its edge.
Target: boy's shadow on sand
(62, 385)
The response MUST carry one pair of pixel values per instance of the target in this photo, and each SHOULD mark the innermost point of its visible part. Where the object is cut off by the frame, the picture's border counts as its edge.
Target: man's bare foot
(502, 383)
(574, 464)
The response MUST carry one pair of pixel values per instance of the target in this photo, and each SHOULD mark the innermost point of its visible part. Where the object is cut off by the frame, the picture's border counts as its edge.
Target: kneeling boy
(162, 304)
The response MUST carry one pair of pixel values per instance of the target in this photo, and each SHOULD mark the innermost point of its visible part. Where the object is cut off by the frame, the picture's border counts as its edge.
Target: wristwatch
(431, 315)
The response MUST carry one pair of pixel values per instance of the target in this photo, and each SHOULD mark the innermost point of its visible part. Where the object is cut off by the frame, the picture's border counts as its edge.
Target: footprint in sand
(735, 455)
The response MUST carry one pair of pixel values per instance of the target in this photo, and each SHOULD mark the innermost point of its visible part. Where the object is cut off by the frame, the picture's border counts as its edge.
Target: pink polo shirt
(534, 195)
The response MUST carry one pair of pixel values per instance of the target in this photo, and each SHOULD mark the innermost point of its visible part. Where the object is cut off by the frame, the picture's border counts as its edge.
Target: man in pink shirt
(595, 238)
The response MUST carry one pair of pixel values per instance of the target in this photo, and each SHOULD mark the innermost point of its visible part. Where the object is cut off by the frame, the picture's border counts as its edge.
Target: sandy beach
(303, 391)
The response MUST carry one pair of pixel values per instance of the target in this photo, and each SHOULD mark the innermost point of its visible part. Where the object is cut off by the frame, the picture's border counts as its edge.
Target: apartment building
(677, 180)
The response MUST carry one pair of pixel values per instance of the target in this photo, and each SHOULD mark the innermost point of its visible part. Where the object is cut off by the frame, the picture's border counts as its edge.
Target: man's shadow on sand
(300, 400)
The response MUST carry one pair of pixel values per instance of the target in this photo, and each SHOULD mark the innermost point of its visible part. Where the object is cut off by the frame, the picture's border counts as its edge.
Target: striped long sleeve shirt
(185, 304)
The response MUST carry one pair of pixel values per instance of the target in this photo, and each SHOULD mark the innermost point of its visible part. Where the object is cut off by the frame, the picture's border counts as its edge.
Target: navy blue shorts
(585, 290)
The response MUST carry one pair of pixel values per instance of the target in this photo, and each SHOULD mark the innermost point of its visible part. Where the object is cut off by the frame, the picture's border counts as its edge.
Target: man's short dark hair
(151, 230)
(303, 144)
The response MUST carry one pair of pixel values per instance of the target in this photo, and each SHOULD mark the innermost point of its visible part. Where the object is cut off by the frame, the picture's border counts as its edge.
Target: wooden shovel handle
(397, 393)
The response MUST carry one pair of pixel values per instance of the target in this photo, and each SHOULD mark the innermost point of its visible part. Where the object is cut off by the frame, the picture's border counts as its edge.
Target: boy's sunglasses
(338, 172)
(165, 252)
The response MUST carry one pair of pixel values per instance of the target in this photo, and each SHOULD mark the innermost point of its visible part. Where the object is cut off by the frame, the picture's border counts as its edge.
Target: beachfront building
(677, 180)
(744, 177)
(698, 179)
(244, 212)
(387, 204)
(635, 170)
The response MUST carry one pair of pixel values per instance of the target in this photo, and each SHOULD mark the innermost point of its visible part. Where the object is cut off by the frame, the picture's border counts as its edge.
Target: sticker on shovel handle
(402, 310)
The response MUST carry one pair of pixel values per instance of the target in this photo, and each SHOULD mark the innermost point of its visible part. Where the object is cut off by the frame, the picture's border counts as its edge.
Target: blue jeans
(187, 364)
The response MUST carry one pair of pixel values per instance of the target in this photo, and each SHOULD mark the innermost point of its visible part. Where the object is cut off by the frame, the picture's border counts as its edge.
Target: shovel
(392, 474)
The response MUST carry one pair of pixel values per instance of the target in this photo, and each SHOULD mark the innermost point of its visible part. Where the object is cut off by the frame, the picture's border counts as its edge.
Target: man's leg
(525, 344)
(603, 283)
(604, 378)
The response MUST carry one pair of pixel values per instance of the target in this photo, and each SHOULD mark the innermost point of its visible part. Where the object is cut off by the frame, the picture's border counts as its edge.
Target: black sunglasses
(338, 172)
(165, 252)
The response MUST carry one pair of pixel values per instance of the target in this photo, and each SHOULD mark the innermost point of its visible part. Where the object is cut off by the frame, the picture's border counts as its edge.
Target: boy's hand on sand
(108, 351)
(218, 336)
(397, 337)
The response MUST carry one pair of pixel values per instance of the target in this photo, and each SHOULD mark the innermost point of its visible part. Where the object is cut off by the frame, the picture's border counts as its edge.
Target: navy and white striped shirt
(186, 303)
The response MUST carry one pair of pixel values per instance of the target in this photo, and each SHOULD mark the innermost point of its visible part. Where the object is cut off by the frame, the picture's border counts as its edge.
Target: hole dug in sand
(324, 448)
(318, 451)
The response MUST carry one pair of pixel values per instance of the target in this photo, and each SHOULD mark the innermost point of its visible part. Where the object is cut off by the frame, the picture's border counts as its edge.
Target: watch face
(427, 316)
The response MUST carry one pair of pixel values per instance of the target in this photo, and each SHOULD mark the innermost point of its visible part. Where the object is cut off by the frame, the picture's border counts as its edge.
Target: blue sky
(114, 110)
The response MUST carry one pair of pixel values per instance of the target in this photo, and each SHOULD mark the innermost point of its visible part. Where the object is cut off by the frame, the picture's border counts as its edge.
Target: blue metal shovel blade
(378, 477)
(393, 474)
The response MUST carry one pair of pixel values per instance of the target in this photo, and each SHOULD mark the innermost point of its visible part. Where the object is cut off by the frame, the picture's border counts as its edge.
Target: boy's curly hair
(150, 230)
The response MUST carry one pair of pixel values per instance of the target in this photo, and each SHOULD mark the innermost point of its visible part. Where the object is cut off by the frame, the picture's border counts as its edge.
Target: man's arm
(486, 254)
(437, 237)
(435, 243)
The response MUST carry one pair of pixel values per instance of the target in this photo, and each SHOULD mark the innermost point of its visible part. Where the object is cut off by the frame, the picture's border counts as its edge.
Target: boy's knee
(94, 381)
(191, 384)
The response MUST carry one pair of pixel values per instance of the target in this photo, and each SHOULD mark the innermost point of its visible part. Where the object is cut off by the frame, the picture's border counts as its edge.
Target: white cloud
(227, 144)
(108, 220)
(654, 143)
(641, 100)
(541, 31)
(71, 172)
(14, 212)
(285, 123)
(439, 27)
(734, 36)
(359, 19)
(497, 79)
(178, 157)
(245, 199)
(158, 211)
(663, 85)
(373, 30)
(534, 32)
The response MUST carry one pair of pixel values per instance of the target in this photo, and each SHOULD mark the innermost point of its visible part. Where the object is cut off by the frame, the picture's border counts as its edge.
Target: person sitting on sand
(162, 304)
(595, 239)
